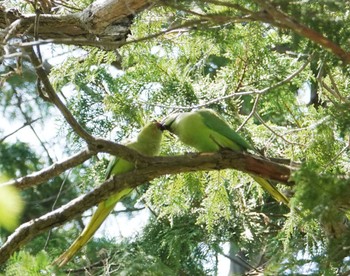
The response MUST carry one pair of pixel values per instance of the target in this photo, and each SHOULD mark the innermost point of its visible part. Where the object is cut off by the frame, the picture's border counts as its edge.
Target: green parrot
(147, 143)
(206, 131)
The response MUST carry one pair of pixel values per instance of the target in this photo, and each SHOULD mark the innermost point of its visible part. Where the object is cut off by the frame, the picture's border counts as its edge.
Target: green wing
(215, 123)
(114, 160)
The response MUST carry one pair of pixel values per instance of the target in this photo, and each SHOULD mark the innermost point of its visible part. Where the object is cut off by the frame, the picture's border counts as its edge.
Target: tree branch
(273, 131)
(243, 93)
(50, 172)
(250, 115)
(103, 18)
(99, 145)
(94, 144)
(153, 167)
(27, 123)
(40, 71)
(280, 19)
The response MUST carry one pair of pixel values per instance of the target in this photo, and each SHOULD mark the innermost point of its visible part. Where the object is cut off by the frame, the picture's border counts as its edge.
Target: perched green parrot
(147, 143)
(206, 131)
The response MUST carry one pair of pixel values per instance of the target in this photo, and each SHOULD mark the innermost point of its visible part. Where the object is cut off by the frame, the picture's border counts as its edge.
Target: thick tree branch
(110, 20)
(102, 19)
(271, 15)
(103, 13)
(101, 145)
(153, 168)
(280, 19)
(107, 44)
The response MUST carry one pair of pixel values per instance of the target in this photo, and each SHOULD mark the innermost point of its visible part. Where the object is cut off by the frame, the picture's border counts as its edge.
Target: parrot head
(152, 128)
(150, 137)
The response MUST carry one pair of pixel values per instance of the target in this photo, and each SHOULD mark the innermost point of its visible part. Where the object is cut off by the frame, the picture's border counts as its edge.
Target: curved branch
(95, 144)
(50, 172)
(99, 145)
(40, 71)
(147, 171)
(280, 19)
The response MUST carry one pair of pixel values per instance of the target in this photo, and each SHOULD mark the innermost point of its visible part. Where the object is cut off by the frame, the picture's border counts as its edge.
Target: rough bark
(146, 171)
(102, 19)
(278, 18)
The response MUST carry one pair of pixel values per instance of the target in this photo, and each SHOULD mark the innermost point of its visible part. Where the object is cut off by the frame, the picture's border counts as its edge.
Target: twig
(331, 91)
(312, 126)
(241, 78)
(238, 260)
(85, 268)
(11, 29)
(10, 56)
(251, 113)
(239, 94)
(127, 210)
(347, 146)
(288, 78)
(261, 91)
(335, 87)
(274, 132)
(27, 123)
(147, 205)
(334, 90)
(230, 5)
(54, 205)
(68, 6)
(26, 118)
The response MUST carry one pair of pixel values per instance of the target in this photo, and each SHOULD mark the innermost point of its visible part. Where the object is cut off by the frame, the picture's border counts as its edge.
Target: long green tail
(103, 210)
(271, 189)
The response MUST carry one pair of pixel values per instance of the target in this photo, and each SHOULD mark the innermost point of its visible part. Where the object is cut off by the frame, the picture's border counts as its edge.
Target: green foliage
(20, 159)
(340, 114)
(321, 199)
(23, 263)
(312, 14)
(181, 250)
(321, 194)
(19, 97)
(88, 80)
(218, 51)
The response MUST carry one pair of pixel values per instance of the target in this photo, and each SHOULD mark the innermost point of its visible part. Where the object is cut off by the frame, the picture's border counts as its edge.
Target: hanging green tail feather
(271, 189)
(103, 210)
